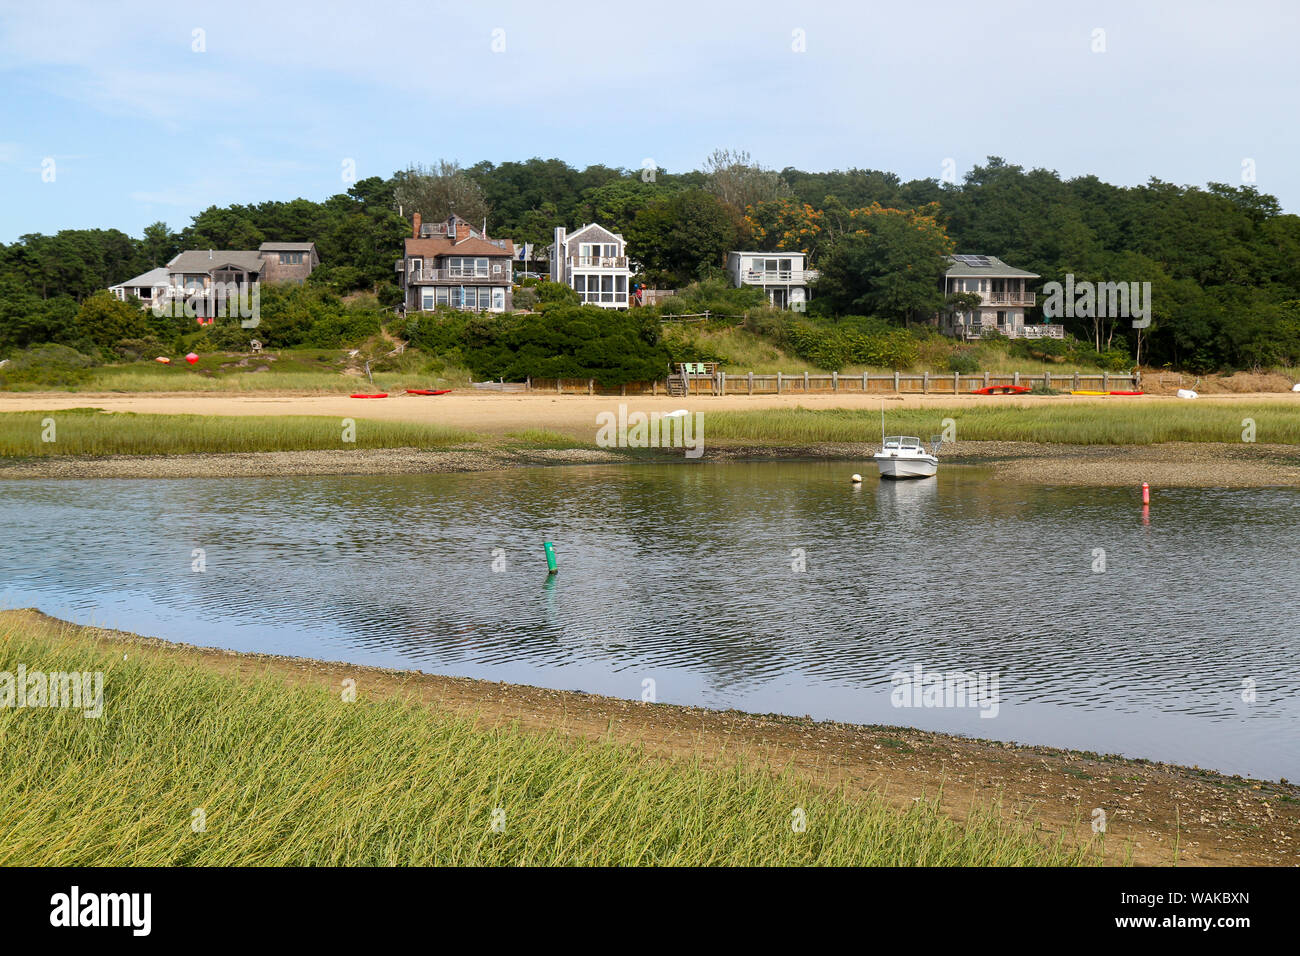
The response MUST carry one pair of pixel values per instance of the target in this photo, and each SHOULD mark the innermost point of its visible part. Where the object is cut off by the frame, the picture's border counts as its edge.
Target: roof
(287, 247)
(778, 254)
(985, 266)
(154, 277)
(442, 246)
(589, 227)
(205, 260)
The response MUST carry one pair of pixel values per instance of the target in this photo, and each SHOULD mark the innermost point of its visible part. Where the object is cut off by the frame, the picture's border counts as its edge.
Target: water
(685, 575)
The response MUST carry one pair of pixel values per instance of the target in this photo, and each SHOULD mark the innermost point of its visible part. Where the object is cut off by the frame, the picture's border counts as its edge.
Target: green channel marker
(550, 559)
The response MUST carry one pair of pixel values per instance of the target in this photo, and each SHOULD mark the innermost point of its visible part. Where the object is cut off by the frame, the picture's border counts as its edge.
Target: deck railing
(778, 277)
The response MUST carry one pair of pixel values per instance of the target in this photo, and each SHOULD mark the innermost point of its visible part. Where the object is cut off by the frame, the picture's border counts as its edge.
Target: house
(783, 276)
(204, 280)
(1004, 297)
(288, 261)
(593, 263)
(142, 286)
(453, 264)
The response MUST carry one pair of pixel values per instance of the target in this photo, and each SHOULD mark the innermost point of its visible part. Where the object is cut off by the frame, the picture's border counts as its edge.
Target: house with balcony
(453, 265)
(208, 282)
(1004, 298)
(593, 263)
(783, 276)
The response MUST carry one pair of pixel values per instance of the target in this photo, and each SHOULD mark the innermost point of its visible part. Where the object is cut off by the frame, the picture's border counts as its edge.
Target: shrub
(48, 366)
(963, 361)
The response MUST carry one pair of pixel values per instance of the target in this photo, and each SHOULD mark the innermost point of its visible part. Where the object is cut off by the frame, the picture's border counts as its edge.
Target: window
(620, 283)
(499, 299)
(579, 284)
(291, 258)
(417, 266)
(606, 288)
(426, 298)
(785, 265)
(1002, 318)
(442, 295)
(457, 298)
(465, 266)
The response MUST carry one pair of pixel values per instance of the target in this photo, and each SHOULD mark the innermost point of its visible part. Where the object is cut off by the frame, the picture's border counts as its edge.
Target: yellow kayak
(1089, 393)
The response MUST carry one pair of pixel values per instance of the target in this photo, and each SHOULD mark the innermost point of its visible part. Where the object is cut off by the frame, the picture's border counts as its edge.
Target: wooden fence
(804, 383)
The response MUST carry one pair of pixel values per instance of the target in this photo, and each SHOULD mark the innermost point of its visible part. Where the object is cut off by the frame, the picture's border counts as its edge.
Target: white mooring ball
(856, 479)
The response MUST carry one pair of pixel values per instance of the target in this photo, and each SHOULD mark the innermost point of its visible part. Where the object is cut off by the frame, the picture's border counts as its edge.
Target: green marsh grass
(1121, 423)
(545, 438)
(292, 775)
(88, 431)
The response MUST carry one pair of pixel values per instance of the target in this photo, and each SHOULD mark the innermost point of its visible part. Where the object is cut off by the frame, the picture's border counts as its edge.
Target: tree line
(1223, 260)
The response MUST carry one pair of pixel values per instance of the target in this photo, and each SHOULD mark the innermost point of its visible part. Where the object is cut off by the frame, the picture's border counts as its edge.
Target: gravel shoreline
(1175, 464)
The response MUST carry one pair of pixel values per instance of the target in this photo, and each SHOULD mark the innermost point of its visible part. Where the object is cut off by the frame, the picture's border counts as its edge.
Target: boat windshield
(902, 441)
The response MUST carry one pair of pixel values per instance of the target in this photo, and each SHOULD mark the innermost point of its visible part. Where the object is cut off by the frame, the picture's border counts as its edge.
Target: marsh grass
(88, 431)
(288, 774)
(1094, 423)
(544, 438)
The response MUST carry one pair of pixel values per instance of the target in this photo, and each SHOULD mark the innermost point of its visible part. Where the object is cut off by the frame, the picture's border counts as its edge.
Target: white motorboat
(903, 456)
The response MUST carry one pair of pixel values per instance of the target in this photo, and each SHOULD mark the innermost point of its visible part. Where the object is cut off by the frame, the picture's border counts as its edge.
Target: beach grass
(90, 431)
(1094, 423)
(194, 765)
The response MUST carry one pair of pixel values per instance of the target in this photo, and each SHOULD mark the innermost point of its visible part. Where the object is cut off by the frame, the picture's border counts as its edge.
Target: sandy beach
(495, 412)
(497, 416)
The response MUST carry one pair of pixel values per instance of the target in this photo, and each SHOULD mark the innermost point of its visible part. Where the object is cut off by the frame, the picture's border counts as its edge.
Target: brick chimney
(415, 221)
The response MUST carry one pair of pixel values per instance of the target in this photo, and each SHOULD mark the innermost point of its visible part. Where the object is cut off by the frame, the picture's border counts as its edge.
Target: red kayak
(427, 391)
(1126, 393)
(379, 395)
(1004, 389)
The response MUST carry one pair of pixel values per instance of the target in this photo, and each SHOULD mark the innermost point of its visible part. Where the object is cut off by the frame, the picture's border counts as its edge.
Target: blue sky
(142, 126)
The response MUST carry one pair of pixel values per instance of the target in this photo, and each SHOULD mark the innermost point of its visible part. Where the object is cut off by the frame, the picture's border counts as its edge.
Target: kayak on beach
(427, 391)
(377, 395)
(1001, 389)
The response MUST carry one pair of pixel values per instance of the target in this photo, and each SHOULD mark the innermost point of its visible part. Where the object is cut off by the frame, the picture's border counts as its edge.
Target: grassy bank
(1125, 422)
(286, 774)
(89, 431)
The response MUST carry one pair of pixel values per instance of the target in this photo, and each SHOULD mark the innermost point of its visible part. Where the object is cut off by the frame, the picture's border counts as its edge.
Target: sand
(498, 413)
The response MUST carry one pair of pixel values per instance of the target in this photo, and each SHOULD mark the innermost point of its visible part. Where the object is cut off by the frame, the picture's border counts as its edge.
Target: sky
(116, 115)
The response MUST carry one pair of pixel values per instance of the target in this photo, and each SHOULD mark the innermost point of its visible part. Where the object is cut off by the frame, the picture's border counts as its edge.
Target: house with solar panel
(1004, 299)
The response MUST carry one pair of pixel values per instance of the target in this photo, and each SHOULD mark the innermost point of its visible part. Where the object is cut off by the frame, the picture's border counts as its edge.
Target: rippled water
(684, 575)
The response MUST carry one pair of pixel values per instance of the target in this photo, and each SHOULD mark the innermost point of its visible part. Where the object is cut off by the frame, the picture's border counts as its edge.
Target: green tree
(106, 320)
(890, 267)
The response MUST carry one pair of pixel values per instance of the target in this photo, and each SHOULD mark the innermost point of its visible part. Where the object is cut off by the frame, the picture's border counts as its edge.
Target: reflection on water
(690, 575)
